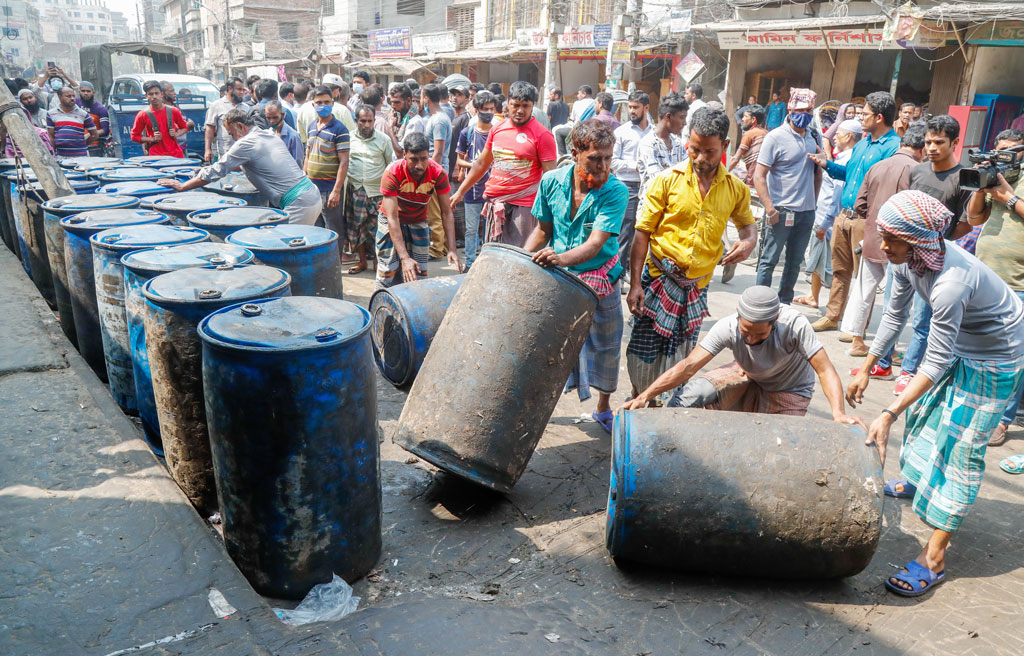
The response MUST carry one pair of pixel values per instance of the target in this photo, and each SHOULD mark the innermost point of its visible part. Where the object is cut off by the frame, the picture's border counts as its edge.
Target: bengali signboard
(532, 38)
(585, 37)
(390, 42)
(619, 52)
(837, 39)
(998, 33)
(428, 44)
(680, 20)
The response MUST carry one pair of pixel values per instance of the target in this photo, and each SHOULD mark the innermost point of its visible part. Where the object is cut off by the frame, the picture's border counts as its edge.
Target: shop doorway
(913, 72)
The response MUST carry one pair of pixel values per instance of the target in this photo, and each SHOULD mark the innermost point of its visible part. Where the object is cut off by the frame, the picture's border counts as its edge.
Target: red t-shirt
(518, 152)
(413, 196)
(167, 145)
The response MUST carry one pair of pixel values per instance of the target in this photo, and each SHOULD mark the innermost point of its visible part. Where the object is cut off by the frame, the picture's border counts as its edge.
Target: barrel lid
(204, 253)
(160, 161)
(190, 171)
(133, 188)
(148, 236)
(96, 220)
(28, 175)
(285, 236)
(192, 201)
(94, 170)
(235, 183)
(76, 184)
(67, 205)
(84, 163)
(147, 202)
(218, 284)
(287, 323)
(131, 173)
(238, 216)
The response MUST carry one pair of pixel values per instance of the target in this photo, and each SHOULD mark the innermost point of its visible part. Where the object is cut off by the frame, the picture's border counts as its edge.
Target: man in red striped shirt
(159, 127)
(68, 124)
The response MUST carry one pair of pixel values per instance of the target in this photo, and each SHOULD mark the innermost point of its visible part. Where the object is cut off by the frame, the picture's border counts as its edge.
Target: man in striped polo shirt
(327, 146)
(68, 124)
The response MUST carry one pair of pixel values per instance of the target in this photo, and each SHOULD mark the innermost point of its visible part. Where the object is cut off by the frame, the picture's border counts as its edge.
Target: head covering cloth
(830, 133)
(920, 220)
(758, 304)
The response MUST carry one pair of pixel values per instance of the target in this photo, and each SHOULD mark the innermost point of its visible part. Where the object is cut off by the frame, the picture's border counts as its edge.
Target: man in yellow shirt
(677, 245)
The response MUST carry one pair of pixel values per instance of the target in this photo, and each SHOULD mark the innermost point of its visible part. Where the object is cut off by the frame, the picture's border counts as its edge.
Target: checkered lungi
(598, 365)
(417, 241)
(819, 259)
(734, 391)
(361, 218)
(946, 435)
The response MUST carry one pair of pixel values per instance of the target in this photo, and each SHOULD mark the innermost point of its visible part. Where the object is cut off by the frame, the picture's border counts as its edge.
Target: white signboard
(531, 38)
(680, 21)
(259, 50)
(854, 38)
(428, 44)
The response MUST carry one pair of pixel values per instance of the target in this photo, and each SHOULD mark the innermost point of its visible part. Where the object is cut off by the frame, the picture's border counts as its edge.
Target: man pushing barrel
(777, 355)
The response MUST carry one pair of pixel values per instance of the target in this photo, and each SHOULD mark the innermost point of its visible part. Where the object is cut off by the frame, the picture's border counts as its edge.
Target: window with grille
(412, 7)
(328, 7)
(288, 31)
(509, 15)
(460, 21)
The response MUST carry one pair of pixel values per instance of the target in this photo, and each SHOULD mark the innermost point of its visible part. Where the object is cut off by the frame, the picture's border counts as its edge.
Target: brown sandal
(359, 268)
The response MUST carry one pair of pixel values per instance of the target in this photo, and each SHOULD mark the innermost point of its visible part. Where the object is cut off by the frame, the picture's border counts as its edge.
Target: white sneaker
(901, 383)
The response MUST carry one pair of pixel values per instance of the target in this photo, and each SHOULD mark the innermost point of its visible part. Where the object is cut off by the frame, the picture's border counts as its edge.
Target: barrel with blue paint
(310, 254)
(83, 164)
(7, 165)
(743, 494)
(149, 202)
(162, 161)
(221, 223)
(511, 337)
(136, 188)
(140, 266)
(126, 174)
(19, 213)
(179, 206)
(175, 304)
(404, 320)
(182, 173)
(237, 185)
(107, 249)
(95, 171)
(292, 410)
(81, 282)
(53, 211)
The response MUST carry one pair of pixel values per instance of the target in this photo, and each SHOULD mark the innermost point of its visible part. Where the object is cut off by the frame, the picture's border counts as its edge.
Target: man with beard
(521, 151)
(678, 244)
(752, 123)
(472, 142)
(370, 153)
(100, 116)
(625, 166)
(274, 113)
(403, 235)
(777, 355)
(403, 119)
(218, 142)
(36, 115)
(579, 212)
(68, 124)
(171, 99)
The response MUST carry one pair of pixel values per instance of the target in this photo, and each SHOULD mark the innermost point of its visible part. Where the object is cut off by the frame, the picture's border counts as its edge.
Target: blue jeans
(794, 240)
(922, 320)
(473, 220)
(1011, 409)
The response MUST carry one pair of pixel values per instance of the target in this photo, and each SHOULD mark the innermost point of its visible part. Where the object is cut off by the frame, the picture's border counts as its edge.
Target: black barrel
(745, 494)
(404, 320)
(175, 304)
(292, 411)
(310, 254)
(502, 354)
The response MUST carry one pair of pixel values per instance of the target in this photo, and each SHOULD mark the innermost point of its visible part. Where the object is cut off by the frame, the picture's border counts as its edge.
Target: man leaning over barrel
(678, 244)
(579, 211)
(777, 355)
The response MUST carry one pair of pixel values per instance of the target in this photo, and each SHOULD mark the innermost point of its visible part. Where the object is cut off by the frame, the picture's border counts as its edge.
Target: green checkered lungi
(417, 242)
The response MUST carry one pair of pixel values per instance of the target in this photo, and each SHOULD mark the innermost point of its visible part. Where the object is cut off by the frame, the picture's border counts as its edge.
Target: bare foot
(806, 300)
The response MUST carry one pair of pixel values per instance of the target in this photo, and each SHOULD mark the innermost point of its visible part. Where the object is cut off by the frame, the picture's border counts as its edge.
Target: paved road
(100, 552)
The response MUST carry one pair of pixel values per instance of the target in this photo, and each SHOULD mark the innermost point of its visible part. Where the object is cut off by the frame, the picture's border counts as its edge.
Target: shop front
(994, 81)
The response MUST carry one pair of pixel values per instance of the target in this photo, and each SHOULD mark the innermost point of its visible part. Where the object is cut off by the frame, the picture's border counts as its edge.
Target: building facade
(22, 34)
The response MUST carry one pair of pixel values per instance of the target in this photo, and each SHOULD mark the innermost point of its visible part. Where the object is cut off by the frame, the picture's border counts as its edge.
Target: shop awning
(790, 24)
(392, 66)
(270, 62)
(496, 52)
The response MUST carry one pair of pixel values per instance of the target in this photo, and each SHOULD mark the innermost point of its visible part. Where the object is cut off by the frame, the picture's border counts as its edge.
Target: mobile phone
(50, 64)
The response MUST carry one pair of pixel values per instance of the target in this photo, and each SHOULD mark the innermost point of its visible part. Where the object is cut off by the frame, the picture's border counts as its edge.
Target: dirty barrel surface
(162, 161)
(717, 492)
(404, 320)
(7, 165)
(53, 211)
(136, 188)
(510, 338)
(140, 266)
(19, 214)
(175, 304)
(292, 410)
(107, 249)
(182, 204)
(237, 185)
(310, 254)
(128, 173)
(221, 223)
(85, 163)
(81, 281)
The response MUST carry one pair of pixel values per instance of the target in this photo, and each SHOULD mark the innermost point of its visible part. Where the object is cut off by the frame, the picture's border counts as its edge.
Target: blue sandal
(605, 419)
(916, 572)
(1012, 464)
(908, 491)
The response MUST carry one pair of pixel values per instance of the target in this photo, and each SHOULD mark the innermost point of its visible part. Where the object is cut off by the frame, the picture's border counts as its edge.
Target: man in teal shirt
(880, 142)
(776, 112)
(579, 212)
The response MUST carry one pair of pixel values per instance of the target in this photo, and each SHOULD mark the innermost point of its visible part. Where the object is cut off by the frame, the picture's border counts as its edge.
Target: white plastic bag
(325, 602)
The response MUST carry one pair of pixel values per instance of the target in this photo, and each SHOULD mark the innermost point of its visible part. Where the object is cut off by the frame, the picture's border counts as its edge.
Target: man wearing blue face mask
(787, 183)
(360, 81)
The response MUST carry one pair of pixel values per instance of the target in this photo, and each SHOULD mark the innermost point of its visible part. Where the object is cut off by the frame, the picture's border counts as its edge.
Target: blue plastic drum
(17, 181)
(7, 165)
(125, 174)
(179, 206)
(137, 188)
(82, 164)
(310, 254)
(162, 161)
(221, 223)
(237, 185)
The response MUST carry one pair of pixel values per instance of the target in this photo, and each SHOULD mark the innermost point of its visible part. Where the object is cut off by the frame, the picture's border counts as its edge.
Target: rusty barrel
(404, 320)
(745, 494)
(175, 304)
(292, 410)
(309, 253)
(224, 222)
(501, 356)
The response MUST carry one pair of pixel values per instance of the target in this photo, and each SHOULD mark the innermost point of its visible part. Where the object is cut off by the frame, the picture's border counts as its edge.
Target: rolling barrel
(140, 266)
(292, 410)
(128, 173)
(221, 223)
(175, 304)
(182, 204)
(511, 337)
(310, 254)
(81, 283)
(107, 249)
(404, 319)
(53, 211)
(237, 185)
(733, 493)
(136, 188)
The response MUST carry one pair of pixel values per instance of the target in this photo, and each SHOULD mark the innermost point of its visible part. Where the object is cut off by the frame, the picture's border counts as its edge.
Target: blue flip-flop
(605, 419)
(916, 572)
(908, 491)
(1012, 464)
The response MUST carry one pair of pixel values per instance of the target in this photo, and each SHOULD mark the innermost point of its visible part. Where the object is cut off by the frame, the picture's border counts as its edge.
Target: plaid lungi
(417, 241)
(598, 364)
(947, 433)
(819, 259)
(736, 392)
(361, 218)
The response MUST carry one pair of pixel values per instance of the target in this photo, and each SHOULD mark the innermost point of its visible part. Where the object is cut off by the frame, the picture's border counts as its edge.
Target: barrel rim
(200, 236)
(193, 302)
(283, 248)
(126, 203)
(558, 271)
(193, 217)
(89, 230)
(408, 375)
(185, 197)
(139, 269)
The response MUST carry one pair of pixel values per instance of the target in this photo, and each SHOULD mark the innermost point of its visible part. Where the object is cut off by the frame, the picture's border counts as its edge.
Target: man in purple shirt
(605, 101)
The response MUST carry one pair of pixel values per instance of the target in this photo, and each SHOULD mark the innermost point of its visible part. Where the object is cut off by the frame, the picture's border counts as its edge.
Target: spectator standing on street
(327, 152)
(558, 111)
(309, 117)
(218, 139)
(776, 112)
(879, 142)
(472, 142)
(371, 96)
(662, 147)
(370, 153)
(787, 182)
(518, 152)
(286, 94)
(625, 165)
(605, 101)
(360, 82)
(904, 119)
(274, 112)
(584, 107)
(171, 99)
(403, 118)
(100, 116)
(439, 134)
(459, 96)
(37, 117)
(750, 143)
(694, 96)
(266, 90)
(159, 127)
(68, 124)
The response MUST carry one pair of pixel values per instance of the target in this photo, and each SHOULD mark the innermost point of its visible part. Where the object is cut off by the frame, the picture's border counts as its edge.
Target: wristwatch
(1012, 203)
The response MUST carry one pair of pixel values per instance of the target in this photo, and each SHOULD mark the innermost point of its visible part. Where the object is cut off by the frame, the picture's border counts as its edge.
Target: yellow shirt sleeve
(741, 214)
(654, 204)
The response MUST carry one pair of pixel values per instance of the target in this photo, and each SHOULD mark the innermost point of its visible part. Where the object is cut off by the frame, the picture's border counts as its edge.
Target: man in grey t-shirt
(777, 355)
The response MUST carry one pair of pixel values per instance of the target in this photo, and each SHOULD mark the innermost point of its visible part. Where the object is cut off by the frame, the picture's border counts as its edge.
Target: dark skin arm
(477, 171)
(833, 388)
(546, 256)
(410, 268)
(679, 374)
(194, 183)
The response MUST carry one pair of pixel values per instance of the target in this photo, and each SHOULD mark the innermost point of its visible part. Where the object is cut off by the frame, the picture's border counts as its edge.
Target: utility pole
(24, 136)
(637, 17)
(556, 11)
(613, 72)
(229, 38)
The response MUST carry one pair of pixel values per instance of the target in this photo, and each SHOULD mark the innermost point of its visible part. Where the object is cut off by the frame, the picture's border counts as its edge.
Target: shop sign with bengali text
(390, 42)
(428, 44)
(836, 39)
(999, 33)
(620, 52)
(680, 20)
(585, 37)
(531, 37)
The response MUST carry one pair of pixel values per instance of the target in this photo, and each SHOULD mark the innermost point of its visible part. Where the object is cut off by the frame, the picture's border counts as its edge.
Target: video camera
(996, 162)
